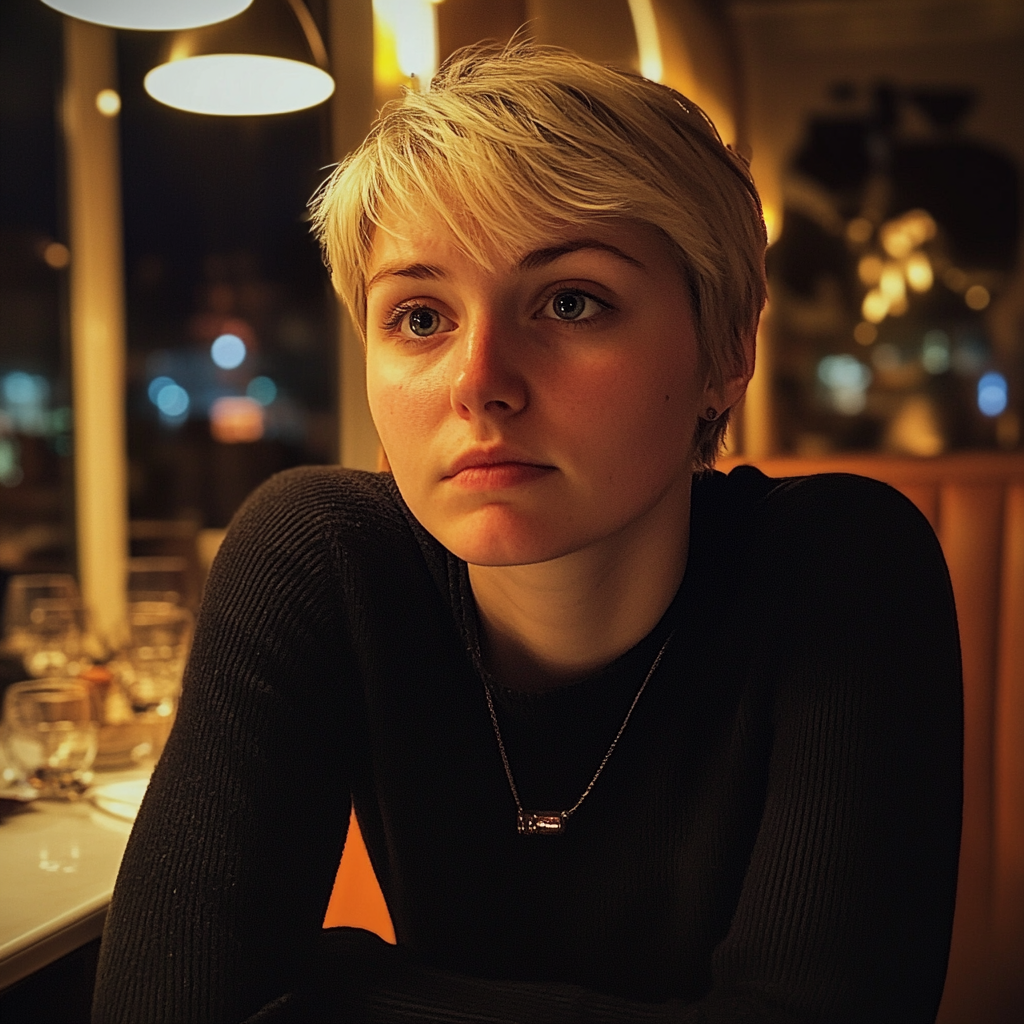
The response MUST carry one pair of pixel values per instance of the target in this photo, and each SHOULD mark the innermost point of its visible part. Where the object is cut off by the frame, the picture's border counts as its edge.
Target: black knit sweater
(775, 837)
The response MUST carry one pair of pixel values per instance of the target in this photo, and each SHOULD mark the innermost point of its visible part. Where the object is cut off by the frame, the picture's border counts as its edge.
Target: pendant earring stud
(711, 414)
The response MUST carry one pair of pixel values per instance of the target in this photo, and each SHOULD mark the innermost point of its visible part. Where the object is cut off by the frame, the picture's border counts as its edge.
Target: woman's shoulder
(342, 498)
(824, 504)
(836, 539)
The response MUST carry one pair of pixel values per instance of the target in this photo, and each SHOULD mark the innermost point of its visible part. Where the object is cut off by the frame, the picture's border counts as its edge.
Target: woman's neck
(553, 623)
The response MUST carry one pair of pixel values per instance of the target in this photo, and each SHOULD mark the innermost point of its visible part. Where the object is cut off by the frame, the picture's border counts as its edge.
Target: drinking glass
(53, 639)
(48, 735)
(161, 633)
(160, 637)
(23, 592)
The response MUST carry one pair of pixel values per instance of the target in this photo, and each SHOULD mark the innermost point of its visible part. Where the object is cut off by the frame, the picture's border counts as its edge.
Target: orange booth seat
(975, 504)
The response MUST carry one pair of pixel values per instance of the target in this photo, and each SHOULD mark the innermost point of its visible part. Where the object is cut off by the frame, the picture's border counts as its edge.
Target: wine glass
(161, 633)
(48, 735)
(53, 639)
(23, 592)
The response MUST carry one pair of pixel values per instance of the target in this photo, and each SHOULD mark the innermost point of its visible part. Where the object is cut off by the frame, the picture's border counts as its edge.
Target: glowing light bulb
(108, 103)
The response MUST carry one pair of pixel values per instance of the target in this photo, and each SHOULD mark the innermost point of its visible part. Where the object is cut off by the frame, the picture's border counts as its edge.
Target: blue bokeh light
(263, 389)
(992, 394)
(156, 385)
(172, 400)
(228, 351)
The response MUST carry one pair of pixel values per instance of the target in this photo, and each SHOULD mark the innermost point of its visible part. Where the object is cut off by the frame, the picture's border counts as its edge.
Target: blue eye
(423, 322)
(571, 305)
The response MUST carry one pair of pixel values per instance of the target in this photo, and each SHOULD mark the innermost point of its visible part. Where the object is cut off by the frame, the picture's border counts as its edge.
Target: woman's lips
(496, 476)
(494, 469)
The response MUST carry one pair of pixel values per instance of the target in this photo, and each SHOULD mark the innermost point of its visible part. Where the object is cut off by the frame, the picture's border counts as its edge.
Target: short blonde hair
(509, 142)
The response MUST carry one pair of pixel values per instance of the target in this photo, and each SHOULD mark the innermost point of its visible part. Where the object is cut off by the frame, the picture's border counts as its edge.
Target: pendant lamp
(257, 63)
(151, 15)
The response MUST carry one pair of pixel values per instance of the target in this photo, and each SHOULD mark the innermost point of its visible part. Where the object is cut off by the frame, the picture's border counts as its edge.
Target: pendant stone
(536, 823)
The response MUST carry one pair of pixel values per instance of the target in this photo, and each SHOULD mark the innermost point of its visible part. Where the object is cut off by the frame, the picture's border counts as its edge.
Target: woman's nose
(487, 379)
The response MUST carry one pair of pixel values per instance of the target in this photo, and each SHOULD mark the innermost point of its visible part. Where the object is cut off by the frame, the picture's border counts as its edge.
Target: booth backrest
(975, 504)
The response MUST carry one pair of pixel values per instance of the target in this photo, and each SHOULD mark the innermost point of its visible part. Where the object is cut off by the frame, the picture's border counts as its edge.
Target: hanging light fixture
(151, 15)
(257, 63)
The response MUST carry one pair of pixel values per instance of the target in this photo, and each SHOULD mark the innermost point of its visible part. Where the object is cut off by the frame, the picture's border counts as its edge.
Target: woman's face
(536, 409)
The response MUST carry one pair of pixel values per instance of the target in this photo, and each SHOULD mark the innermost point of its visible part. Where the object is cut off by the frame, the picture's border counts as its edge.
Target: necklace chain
(545, 823)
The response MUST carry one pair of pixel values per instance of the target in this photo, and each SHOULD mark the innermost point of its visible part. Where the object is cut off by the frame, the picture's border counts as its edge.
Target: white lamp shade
(152, 15)
(238, 84)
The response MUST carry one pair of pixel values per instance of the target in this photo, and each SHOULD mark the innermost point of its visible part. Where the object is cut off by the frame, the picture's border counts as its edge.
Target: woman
(627, 739)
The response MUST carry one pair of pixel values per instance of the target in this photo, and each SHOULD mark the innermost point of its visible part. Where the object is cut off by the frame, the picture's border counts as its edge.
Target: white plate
(121, 799)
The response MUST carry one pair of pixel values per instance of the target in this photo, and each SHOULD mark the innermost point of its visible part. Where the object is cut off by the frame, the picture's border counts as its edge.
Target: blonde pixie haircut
(510, 143)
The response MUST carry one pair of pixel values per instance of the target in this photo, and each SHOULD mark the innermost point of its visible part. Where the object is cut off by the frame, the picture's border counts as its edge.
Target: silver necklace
(549, 823)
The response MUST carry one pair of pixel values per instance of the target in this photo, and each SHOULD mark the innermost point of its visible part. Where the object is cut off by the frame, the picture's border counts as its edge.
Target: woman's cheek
(405, 405)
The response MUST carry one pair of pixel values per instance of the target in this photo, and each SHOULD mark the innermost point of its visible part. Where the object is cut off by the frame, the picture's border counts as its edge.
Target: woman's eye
(423, 322)
(417, 322)
(572, 305)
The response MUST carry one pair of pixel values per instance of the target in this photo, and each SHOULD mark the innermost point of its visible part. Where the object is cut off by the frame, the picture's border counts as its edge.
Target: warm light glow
(865, 333)
(108, 103)
(772, 222)
(153, 15)
(860, 230)
(896, 243)
(977, 297)
(412, 24)
(915, 429)
(645, 26)
(238, 84)
(919, 272)
(870, 269)
(905, 233)
(891, 283)
(955, 279)
(56, 255)
(874, 307)
(236, 420)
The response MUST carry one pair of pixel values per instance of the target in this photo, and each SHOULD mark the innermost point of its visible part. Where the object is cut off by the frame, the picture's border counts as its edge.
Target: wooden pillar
(97, 324)
(350, 42)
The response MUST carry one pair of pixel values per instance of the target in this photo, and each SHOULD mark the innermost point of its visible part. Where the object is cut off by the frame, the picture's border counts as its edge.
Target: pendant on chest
(537, 823)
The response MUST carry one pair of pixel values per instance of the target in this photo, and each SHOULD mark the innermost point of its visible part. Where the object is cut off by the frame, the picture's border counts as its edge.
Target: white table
(58, 862)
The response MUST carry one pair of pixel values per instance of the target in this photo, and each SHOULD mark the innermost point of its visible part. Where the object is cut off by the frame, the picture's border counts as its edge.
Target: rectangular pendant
(534, 823)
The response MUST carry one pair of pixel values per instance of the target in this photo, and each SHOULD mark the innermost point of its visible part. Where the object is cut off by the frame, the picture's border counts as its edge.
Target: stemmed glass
(23, 594)
(49, 735)
(53, 640)
(161, 633)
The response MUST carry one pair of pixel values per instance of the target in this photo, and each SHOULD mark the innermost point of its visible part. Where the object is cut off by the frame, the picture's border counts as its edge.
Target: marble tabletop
(58, 862)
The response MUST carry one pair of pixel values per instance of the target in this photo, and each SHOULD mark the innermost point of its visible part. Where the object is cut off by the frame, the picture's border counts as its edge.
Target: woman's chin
(497, 535)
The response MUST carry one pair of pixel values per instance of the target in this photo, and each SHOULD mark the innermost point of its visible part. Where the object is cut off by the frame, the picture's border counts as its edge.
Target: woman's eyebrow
(541, 257)
(420, 271)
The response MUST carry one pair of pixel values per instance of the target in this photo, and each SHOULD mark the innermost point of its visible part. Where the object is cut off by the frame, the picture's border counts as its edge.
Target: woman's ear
(736, 376)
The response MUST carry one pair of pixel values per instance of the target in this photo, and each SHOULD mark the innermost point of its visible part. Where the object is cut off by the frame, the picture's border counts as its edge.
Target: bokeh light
(172, 400)
(992, 394)
(262, 389)
(228, 351)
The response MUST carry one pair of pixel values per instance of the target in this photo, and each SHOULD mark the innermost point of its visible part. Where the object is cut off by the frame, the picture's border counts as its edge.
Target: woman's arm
(223, 887)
